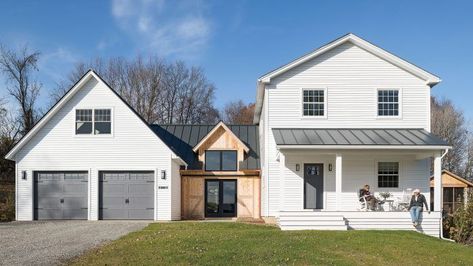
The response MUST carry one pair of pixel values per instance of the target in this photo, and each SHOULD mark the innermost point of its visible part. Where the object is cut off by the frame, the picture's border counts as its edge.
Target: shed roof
(183, 138)
(356, 137)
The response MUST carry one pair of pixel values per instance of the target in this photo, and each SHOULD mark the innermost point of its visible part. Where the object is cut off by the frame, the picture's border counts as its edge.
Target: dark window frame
(93, 122)
(314, 103)
(389, 180)
(388, 102)
(220, 169)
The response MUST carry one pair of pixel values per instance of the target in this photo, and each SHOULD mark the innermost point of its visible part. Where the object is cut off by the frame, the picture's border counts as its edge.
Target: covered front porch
(320, 186)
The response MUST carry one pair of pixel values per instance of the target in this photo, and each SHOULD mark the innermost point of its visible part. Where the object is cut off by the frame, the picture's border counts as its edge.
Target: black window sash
(221, 160)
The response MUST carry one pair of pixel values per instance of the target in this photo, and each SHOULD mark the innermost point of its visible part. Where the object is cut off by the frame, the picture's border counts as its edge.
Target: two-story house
(343, 116)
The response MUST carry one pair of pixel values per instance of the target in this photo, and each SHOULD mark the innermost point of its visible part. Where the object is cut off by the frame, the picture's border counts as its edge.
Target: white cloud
(164, 28)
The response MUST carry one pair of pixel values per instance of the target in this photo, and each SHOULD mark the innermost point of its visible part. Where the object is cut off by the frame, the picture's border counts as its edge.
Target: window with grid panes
(388, 174)
(388, 103)
(313, 102)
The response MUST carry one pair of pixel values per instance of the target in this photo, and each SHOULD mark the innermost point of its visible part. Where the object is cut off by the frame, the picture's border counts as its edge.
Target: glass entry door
(220, 198)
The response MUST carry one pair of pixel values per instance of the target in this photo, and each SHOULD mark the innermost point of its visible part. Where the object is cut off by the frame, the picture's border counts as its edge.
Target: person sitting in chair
(365, 194)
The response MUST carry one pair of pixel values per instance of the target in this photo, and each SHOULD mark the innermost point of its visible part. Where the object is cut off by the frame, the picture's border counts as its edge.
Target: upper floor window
(388, 102)
(93, 121)
(220, 160)
(313, 102)
(388, 174)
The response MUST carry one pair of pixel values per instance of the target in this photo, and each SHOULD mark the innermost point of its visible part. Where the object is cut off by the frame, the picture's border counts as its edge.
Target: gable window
(220, 160)
(388, 174)
(93, 121)
(102, 121)
(83, 121)
(388, 102)
(313, 102)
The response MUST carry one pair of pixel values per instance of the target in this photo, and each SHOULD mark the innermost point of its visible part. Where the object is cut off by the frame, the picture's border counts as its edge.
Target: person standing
(416, 206)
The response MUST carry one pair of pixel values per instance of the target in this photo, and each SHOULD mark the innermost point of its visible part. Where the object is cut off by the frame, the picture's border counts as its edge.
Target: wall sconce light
(24, 175)
(298, 167)
(330, 167)
(163, 174)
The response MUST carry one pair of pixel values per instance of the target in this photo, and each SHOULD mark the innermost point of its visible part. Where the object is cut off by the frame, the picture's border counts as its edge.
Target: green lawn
(237, 243)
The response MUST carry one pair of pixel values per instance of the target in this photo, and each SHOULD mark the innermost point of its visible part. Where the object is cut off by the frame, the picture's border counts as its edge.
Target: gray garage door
(126, 195)
(60, 195)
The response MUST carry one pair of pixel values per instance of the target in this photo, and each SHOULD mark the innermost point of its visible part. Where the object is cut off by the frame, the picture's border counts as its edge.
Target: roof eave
(363, 147)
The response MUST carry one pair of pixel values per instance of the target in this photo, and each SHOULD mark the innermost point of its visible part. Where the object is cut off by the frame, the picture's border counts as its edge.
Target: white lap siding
(351, 77)
(132, 146)
(357, 170)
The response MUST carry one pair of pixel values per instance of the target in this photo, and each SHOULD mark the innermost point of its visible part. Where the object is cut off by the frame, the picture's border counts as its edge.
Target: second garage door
(126, 195)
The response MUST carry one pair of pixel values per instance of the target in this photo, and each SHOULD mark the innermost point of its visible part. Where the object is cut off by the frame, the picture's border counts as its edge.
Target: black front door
(220, 198)
(313, 186)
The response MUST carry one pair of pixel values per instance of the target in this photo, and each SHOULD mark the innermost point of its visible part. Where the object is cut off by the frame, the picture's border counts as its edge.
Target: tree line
(170, 92)
(160, 91)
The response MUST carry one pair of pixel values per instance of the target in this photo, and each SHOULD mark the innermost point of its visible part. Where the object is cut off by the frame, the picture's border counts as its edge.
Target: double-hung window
(93, 121)
(221, 160)
(313, 102)
(388, 174)
(388, 103)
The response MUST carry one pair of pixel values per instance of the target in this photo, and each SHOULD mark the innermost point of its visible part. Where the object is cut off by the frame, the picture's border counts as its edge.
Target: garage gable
(90, 92)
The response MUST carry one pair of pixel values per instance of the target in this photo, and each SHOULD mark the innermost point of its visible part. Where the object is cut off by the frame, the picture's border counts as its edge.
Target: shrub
(7, 208)
(461, 229)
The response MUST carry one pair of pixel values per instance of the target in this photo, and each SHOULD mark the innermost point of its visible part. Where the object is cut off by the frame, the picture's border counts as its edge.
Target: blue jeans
(415, 213)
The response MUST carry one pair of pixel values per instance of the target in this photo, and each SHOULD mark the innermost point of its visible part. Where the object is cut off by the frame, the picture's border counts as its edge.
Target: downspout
(441, 215)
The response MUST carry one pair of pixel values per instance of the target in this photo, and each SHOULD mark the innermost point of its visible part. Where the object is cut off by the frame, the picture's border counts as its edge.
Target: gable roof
(461, 179)
(430, 79)
(61, 102)
(217, 126)
(183, 138)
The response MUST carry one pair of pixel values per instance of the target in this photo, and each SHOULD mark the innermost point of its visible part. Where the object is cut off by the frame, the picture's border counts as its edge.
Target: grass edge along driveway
(249, 244)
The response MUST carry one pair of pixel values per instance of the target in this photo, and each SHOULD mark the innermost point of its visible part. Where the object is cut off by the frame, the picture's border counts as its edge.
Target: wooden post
(438, 193)
(338, 180)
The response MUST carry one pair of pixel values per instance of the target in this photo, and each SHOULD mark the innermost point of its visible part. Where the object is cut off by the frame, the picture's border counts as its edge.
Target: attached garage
(60, 195)
(126, 195)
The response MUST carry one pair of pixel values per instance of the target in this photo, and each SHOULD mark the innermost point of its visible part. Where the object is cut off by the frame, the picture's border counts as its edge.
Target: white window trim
(376, 168)
(400, 100)
(301, 102)
(92, 135)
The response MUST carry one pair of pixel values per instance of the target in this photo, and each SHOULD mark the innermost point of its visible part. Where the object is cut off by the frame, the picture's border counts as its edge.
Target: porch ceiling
(400, 138)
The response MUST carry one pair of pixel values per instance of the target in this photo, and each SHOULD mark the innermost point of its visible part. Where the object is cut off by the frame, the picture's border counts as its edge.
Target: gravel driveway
(52, 242)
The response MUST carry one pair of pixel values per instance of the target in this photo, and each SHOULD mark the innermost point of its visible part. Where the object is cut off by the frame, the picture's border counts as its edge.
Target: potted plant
(385, 195)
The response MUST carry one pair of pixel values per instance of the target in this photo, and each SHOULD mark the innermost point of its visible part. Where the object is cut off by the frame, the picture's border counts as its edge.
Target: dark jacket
(364, 194)
(419, 202)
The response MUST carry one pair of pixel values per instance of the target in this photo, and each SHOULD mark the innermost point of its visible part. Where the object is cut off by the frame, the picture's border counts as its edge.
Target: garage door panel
(47, 214)
(137, 189)
(79, 189)
(74, 203)
(127, 195)
(141, 202)
(110, 214)
(144, 214)
(49, 203)
(61, 195)
(75, 214)
(113, 202)
(114, 189)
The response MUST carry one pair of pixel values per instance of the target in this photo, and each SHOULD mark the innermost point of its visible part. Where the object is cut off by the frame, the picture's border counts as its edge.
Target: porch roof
(357, 138)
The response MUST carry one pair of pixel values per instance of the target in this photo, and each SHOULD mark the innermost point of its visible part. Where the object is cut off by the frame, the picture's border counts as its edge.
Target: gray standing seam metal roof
(350, 136)
(183, 138)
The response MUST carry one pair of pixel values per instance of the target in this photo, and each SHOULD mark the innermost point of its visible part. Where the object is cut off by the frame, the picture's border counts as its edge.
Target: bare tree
(9, 132)
(237, 112)
(160, 92)
(18, 68)
(448, 123)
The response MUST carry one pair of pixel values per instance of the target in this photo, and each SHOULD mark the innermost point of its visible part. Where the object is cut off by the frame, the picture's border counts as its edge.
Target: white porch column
(282, 167)
(338, 181)
(438, 183)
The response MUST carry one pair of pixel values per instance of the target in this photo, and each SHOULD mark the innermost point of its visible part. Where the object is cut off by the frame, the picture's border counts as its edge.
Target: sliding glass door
(220, 198)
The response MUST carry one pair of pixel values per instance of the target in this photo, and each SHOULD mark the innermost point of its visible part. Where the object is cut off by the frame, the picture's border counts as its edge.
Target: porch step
(311, 221)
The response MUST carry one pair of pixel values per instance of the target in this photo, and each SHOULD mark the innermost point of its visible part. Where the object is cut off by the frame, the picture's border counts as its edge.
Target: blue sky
(237, 41)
